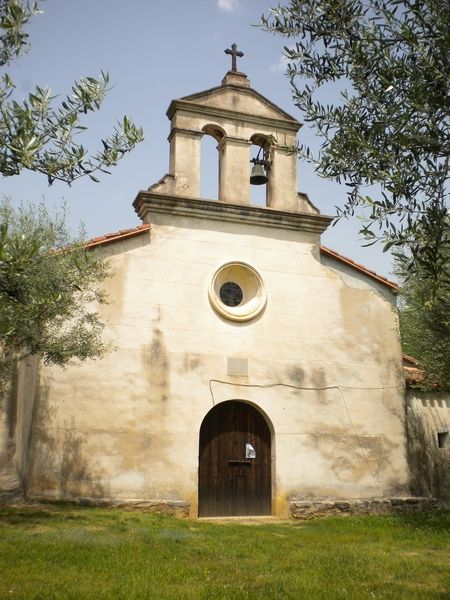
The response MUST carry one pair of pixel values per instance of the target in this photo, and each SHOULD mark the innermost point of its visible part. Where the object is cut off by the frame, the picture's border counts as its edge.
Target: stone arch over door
(233, 482)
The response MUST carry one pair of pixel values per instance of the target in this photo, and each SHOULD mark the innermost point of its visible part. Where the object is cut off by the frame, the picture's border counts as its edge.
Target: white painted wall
(324, 364)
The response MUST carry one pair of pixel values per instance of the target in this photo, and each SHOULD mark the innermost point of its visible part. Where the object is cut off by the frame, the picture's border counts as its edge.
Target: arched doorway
(234, 462)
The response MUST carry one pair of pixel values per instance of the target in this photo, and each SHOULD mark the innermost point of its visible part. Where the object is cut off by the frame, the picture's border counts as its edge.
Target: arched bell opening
(260, 168)
(210, 161)
(235, 461)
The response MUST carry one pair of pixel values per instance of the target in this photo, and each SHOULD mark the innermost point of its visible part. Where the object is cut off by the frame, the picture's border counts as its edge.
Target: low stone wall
(304, 509)
(298, 509)
(177, 508)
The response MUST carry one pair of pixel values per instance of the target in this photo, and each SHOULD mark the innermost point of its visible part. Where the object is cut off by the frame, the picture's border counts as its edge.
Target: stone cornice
(234, 140)
(232, 115)
(248, 91)
(190, 132)
(148, 203)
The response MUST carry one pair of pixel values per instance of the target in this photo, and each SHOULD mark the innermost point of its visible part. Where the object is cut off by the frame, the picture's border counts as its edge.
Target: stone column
(282, 185)
(185, 161)
(234, 171)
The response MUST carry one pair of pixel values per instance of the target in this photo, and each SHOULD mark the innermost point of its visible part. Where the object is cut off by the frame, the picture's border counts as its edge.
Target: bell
(258, 176)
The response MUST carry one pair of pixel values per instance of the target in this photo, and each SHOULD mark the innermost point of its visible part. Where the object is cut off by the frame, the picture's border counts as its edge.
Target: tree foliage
(390, 126)
(425, 322)
(40, 135)
(47, 280)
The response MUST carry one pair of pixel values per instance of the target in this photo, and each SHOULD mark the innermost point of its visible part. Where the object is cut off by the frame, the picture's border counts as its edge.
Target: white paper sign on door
(249, 451)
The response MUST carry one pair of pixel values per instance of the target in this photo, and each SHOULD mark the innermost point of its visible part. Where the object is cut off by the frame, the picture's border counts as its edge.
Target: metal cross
(234, 52)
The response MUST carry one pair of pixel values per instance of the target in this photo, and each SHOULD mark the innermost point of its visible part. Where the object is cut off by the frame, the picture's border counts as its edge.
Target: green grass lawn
(63, 552)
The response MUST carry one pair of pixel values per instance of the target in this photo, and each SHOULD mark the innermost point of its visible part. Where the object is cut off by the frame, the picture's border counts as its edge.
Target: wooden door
(231, 482)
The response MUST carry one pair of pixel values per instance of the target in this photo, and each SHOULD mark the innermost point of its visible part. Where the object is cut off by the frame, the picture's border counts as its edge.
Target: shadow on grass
(433, 521)
(24, 515)
(437, 520)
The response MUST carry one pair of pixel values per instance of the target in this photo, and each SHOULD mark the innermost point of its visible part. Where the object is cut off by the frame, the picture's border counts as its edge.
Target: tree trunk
(9, 476)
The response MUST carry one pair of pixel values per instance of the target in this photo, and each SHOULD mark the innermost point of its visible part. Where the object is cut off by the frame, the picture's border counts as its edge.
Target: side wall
(428, 413)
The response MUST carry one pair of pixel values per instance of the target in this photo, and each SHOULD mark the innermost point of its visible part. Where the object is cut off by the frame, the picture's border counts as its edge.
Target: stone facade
(314, 347)
(428, 423)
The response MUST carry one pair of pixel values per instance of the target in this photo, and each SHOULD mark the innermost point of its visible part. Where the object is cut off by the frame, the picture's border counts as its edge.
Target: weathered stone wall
(16, 414)
(428, 413)
(236, 116)
(323, 366)
(304, 511)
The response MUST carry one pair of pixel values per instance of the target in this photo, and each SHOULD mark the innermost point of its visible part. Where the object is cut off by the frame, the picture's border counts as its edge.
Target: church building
(252, 368)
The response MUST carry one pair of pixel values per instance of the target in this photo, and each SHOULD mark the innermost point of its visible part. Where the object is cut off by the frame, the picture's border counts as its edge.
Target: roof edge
(121, 235)
(124, 234)
(246, 90)
(361, 268)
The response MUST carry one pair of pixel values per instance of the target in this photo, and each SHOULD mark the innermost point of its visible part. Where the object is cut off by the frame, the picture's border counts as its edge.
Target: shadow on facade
(59, 465)
(429, 465)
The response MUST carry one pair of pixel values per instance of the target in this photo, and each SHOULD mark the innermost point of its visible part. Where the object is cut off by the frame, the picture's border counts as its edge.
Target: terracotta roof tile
(409, 361)
(123, 234)
(358, 266)
(412, 376)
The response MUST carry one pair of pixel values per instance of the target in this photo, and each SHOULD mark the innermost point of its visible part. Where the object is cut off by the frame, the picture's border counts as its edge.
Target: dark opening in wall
(258, 193)
(209, 161)
(209, 169)
(443, 439)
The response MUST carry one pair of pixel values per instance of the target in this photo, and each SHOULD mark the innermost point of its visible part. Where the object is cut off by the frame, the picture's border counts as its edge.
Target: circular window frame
(253, 288)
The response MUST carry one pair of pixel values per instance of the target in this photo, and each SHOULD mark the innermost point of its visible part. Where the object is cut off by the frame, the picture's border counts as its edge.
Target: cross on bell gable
(234, 53)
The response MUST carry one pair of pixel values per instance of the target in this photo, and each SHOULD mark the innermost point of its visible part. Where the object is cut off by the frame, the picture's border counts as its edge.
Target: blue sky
(154, 52)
